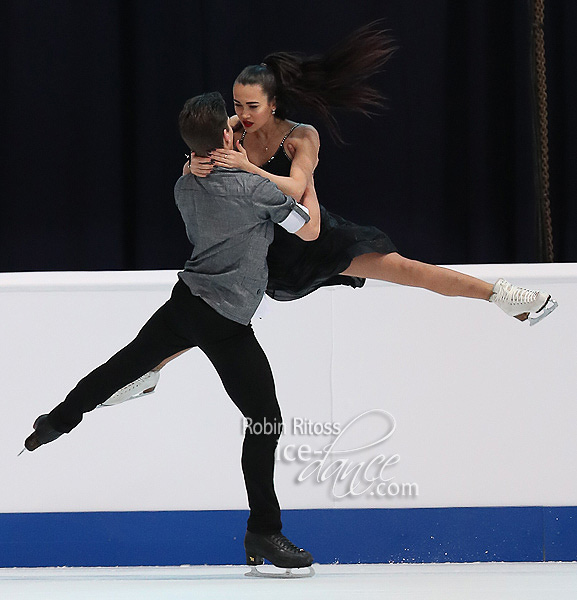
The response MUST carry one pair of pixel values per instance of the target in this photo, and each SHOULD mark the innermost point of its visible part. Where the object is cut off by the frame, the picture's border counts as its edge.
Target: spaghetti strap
(279, 157)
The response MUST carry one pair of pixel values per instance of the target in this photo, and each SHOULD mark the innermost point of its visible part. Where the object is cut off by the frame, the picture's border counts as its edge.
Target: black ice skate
(43, 433)
(279, 551)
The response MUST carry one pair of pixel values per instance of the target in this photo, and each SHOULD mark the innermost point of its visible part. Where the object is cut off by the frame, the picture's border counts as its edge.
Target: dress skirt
(297, 268)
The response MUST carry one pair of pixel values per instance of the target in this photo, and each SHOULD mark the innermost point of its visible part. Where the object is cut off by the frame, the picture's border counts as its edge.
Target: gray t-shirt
(229, 218)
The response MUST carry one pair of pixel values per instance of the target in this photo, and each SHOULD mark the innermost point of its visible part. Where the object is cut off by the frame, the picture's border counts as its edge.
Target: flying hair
(323, 82)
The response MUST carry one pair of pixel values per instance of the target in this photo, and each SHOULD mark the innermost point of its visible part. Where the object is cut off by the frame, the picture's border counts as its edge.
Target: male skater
(229, 220)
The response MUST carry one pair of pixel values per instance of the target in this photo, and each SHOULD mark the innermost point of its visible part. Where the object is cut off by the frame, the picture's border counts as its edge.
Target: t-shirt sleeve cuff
(298, 216)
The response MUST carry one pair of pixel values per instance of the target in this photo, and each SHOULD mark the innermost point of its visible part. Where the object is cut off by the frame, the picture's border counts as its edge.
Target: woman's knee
(405, 268)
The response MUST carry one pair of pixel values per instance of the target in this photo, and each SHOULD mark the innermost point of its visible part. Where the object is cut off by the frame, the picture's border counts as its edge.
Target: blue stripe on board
(509, 534)
(560, 529)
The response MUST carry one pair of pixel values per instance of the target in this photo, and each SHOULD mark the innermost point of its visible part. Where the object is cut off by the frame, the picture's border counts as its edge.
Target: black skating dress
(297, 268)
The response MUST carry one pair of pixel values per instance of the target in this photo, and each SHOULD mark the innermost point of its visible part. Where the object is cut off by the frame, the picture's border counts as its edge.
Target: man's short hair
(202, 122)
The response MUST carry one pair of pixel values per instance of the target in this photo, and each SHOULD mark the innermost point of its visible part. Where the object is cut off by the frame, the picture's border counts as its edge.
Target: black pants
(183, 322)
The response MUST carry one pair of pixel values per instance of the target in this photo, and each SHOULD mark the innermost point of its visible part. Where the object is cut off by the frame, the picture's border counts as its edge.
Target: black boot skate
(279, 551)
(43, 433)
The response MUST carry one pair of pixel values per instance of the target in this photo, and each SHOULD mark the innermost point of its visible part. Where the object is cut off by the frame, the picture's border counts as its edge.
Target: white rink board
(483, 406)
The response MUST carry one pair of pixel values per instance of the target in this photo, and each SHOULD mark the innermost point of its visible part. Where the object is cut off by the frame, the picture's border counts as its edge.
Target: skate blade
(117, 402)
(545, 311)
(286, 574)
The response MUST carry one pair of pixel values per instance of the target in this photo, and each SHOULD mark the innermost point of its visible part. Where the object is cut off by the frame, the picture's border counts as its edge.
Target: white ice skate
(143, 386)
(521, 303)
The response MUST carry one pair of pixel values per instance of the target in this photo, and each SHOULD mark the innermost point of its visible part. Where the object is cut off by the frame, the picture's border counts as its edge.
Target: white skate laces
(521, 303)
(139, 387)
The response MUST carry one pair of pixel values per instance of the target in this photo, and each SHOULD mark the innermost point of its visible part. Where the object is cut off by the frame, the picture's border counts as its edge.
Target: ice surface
(494, 581)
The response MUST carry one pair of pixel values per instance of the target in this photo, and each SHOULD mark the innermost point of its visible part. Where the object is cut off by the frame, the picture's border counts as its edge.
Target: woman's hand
(200, 166)
(231, 159)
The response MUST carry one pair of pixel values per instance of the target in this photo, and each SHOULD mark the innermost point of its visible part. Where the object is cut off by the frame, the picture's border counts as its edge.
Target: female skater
(286, 153)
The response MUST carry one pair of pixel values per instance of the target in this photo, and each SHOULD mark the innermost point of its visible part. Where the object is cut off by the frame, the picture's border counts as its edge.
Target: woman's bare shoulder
(306, 132)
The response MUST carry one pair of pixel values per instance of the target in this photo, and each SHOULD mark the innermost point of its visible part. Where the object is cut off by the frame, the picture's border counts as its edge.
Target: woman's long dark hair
(336, 79)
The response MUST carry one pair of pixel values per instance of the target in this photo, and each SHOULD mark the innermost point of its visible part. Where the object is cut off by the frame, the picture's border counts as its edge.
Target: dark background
(91, 90)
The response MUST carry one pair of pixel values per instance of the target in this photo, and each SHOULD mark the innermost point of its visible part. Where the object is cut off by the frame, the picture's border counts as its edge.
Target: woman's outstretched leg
(513, 300)
(404, 271)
